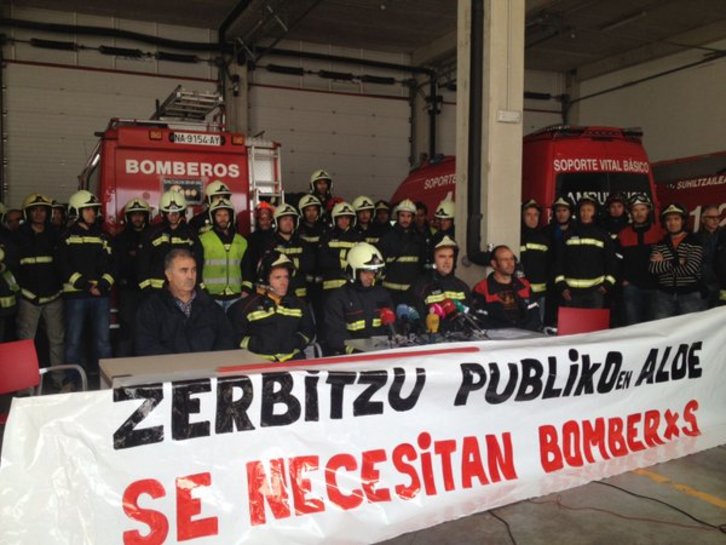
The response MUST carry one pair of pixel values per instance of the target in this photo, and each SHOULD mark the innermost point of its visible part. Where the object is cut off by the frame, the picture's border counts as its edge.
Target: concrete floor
(596, 515)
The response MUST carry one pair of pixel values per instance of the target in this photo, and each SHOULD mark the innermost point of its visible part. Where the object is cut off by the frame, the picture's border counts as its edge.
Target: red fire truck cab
(557, 161)
(136, 158)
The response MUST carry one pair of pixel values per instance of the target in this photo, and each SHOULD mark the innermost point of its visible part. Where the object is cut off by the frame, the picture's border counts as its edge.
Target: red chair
(19, 370)
(572, 320)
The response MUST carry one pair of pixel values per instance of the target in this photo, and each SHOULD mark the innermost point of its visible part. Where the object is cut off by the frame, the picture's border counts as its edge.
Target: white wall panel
(682, 114)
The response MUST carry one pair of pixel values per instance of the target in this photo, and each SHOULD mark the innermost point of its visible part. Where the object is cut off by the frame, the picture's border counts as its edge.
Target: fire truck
(557, 161)
(183, 146)
(694, 182)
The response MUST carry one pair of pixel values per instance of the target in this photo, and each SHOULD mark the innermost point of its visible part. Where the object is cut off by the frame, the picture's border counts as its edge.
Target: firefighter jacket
(353, 312)
(201, 222)
(680, 271)
(405, 253)
(226, 271)
(534, 253)
(126, 247)
(505, 305)
(369, 234)
(163, 328)
(719, 264)
(278, 329)
(332, 254)
(37, 272)
(8, 285)
(379, 229)
(257, 244)
(85, 260)
(301, 255)
(636, 243)
(432, 288)
(587, 260)
(311, 234)
(156, 244)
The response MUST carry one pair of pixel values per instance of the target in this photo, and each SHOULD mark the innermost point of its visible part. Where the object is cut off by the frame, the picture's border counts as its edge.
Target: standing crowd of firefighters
(329, 271)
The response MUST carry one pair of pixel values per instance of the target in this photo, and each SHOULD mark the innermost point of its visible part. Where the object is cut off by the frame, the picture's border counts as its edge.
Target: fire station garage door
(53, 113)
(361, 140)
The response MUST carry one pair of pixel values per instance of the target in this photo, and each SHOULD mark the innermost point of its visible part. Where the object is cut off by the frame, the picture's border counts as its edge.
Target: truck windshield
(601, 184)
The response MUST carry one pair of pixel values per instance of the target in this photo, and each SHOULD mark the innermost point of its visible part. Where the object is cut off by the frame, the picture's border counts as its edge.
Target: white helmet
(173, 201)
(363, 257)
(286, 209)
(342, 209)
(445, 210)
(308, 200)
(221, 204)
(406, 205)
(217, 189)
(362, 202)
(320, 174)
(80, 200)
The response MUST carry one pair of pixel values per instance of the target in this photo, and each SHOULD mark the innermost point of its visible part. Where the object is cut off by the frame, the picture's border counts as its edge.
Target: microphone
(403, 314)
(388, 318)
(413, 315)
(449, 308)
(438, 310)
(464, 311)
(433, 321)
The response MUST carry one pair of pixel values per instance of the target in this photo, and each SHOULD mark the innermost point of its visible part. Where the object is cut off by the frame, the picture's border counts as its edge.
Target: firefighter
(364, 209)
(321, 186)
(84, 258)
(586, 267)
(676, 262)
(355, 310)
(616, 217)
(440, 284)
(181, 318)
(404, 251)
(272, 322)
(311, 226)
(503, 299)
(259, 239)
(382, 220)
(8, 285)
(12, 219)
(59, 216)
(535, 253)
(444, 215)
(137, 215)
(636, 242)
(287, 241)
(38, 277)
(215, 191)
(334, 247)
(226, 273)
(172, 232)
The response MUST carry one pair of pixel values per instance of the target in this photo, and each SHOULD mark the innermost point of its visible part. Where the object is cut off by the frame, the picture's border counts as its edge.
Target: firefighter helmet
(587, 198)
(221, 204)
(445, 210)
(640, 198)
(286, 209)
(563, 201)
(173, 201)
(320, 174)
(36, 199)
(674, 208)
(446, 242)
(217, 188)
(272, 260)
(308, 200)
(382, 205)
(615, 197)
(406, 205)
(362, 202)
(3, 210)
(264, 205)
(58, 205)
(342, 209)
(531, 203)
(137, 205)
(80, 200)
(363, 257)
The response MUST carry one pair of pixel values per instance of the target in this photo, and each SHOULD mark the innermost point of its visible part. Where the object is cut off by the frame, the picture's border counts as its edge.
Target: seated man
(354, 310)
(180, 317)
(441, 284)
(272, 322)
(502, 299)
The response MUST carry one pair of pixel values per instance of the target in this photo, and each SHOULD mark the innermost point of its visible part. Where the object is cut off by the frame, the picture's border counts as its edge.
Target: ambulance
(694, 182)
(180, 149)
(560, 160)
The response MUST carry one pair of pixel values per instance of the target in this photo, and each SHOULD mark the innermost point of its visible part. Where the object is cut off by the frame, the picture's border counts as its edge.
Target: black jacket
(37, 272)
(156, 243)
(126, 247)
(432, 288)
(587, 260)
(85, 260)
(636, 243)
(353, 312)
(536, 258)
(162, 327)
(404, 251)
(276, 329)
(333, 250)
(719, 264)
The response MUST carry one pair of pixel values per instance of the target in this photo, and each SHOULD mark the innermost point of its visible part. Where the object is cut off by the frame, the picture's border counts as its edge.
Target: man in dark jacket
(181, 317)
(502, 299)
(535, 253)
(719, 264)
(334, 246)
(38, 276)
(636, 242)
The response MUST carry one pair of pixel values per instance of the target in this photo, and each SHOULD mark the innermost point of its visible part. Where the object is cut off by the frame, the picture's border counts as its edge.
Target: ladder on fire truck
(263, 156)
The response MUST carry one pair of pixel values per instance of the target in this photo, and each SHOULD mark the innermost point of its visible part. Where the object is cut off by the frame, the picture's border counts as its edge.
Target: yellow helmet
(36, 199)
(173, 201)
(445, 210)
(362, 202)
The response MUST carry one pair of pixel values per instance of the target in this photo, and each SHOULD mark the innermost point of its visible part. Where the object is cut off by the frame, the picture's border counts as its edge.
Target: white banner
(360, 449)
